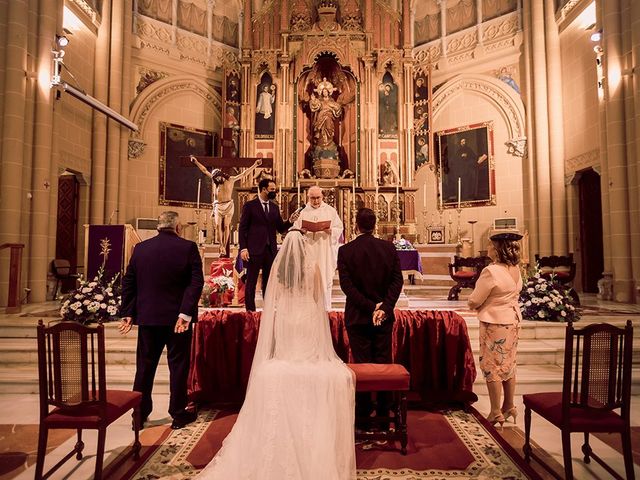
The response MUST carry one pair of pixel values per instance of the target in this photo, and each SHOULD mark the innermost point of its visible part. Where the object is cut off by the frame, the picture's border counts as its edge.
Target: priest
(322, 244)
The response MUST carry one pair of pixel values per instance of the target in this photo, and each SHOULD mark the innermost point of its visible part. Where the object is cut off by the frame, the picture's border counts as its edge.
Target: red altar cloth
(433, 346)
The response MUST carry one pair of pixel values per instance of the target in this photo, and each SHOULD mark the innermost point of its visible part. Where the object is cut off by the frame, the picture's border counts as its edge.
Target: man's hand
(482, 158)
(378, 315)
(181, 326)
(294, 216)
(244, 255)
(125, 325)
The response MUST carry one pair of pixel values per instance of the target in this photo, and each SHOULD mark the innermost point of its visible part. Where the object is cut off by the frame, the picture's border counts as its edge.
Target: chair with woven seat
(562, 268)
(596, 382)
(394, 378)
(465, 272)
(73, 390)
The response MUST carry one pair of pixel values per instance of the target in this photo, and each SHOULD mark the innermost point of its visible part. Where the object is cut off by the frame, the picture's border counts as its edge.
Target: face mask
(271, 195)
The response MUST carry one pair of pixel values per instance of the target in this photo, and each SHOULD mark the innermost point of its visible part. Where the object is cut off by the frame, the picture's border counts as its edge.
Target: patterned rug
(442, 445)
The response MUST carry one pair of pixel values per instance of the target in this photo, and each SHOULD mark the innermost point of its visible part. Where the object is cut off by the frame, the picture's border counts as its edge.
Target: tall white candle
(459, 190)
(198, 198)
(298, 193)
(375, 199)
(280, 194)
(354, 190)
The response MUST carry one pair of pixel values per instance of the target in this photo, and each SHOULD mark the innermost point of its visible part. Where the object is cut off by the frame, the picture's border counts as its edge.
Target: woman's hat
(506, 234)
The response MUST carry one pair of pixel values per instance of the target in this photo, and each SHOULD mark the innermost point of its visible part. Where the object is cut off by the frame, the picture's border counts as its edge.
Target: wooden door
(67, 223)
(592, 252)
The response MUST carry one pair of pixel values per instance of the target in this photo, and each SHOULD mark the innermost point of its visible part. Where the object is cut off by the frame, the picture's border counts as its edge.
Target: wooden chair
(61, 270)
(378, 377)
(73, 390)
(596, 381)
(562, 268)
(465, 278)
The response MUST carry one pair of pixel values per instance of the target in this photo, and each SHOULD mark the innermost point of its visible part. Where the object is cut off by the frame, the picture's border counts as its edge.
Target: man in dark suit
(160, 294)
(259, 222)
(371, 279)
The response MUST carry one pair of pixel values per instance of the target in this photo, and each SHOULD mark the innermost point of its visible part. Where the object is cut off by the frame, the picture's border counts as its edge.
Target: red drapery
(434, 346)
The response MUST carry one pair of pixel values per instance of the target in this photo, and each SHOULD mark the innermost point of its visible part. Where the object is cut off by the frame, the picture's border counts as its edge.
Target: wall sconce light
(596, 36)
(62, 41)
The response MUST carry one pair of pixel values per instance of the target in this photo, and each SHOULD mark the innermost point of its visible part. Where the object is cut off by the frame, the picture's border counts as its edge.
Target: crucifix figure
(222, 185)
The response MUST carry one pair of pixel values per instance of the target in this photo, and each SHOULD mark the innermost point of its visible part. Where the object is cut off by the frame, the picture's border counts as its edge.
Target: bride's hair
(291, 264)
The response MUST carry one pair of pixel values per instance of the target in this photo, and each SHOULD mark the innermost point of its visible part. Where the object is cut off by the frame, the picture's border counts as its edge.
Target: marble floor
(19, 411)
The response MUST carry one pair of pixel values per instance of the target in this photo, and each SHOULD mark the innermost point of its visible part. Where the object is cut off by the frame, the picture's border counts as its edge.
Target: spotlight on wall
(596, 36)
(62, 41)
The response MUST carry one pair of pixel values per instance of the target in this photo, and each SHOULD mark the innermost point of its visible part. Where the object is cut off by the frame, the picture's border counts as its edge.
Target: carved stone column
(125, 101)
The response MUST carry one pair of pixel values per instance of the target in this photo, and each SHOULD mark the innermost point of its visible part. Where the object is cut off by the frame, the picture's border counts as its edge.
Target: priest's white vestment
(323, 246)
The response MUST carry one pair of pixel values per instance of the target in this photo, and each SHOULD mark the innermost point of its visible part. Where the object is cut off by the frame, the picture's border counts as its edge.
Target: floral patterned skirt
(498, 348)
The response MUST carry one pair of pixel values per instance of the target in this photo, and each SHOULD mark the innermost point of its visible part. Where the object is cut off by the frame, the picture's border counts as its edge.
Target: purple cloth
(410, 260)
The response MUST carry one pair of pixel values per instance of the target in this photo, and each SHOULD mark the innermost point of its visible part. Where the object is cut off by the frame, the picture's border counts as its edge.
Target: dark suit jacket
(164, 278)
(256, 229)
(370, 273)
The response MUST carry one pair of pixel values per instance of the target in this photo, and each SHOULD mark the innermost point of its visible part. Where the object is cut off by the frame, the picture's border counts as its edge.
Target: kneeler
(385, 377)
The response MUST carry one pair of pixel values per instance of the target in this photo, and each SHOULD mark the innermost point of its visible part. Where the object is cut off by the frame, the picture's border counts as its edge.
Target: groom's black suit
(257, 233)
(164, 279)
(370, 273)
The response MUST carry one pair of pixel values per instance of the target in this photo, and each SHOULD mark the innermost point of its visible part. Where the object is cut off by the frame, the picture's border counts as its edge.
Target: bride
(297, 419)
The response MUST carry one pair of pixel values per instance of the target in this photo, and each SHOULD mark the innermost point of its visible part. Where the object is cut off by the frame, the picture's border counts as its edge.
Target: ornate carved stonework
(351, 16)
(268, 58)
(389, 58)
(136, 147)
(517, 147)
(300, 16)
(147, 77)
(585, 160)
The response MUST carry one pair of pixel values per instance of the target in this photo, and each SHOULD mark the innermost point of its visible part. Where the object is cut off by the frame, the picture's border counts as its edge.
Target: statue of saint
(221, 196)
(326, 110)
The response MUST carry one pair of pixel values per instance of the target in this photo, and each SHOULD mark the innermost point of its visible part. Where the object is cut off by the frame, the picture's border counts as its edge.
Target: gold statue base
(326, 168)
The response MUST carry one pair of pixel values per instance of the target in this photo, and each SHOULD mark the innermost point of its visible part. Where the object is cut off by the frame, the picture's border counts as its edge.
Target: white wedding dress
(297, 420)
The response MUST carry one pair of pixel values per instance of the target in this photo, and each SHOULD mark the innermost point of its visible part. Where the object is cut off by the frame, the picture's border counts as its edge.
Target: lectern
(108, 245)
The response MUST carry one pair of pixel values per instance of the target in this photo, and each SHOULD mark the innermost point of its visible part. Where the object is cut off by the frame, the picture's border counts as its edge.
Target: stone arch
(153, 96)
(496, 92)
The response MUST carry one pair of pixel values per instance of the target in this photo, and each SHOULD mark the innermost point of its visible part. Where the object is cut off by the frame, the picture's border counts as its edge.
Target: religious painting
(233, 89)
(466, 166)
(231, 116)
(265, 108)
(421, 127)
(387, 107)
(180, 180)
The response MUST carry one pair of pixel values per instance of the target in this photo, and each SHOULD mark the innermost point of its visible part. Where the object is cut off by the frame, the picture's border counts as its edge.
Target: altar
(434, 346)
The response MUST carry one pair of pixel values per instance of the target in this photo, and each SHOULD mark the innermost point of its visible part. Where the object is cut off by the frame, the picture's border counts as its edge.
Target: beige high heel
(512, 412)
(497, 418)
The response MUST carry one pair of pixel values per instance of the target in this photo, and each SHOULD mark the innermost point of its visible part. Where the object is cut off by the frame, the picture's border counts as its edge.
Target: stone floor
(19, 411)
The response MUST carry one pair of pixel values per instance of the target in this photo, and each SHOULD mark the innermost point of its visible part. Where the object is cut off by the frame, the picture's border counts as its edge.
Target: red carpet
(451, 444)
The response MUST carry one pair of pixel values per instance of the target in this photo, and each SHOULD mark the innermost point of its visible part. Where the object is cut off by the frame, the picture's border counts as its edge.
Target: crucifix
(222, 184)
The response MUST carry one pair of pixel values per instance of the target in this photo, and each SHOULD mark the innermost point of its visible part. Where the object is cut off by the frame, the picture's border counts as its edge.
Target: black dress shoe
(183, 420)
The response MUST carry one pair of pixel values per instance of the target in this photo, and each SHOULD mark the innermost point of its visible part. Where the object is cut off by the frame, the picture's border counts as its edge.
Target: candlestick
(280, 194)
(298, 193)
(375, 199)
(354, 191)
(459, 190)
(198, 197)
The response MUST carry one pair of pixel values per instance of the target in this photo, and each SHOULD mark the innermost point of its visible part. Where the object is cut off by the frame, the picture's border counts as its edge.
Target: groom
(371, 279)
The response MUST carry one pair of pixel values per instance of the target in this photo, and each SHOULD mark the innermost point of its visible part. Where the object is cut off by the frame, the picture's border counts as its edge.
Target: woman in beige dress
(496, 300)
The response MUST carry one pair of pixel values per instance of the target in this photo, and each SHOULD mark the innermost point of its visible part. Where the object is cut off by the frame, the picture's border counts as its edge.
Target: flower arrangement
(403, 244)
(546, 299)
(93, 301)
(219, 289)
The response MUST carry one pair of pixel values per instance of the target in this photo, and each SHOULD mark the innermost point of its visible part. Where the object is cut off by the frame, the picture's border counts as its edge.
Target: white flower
(79, 311)
(530, 290)
(77, 296)
(99, 297)
(563, 313)
(75, 306)
(542, 314)
(545, 299)
(93, 284)
(112, 310)
(85, 290)
(103, 305)
(552, 305)
(86, 302)
(527, 303)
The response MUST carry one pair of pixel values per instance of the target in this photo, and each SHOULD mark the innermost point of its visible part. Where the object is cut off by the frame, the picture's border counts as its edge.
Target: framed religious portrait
(435, 234)
(179, 179)
(465, 163)
(265, 108)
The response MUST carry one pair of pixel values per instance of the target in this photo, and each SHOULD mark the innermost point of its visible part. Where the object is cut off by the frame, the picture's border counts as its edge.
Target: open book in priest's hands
(316, 226)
